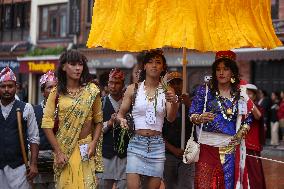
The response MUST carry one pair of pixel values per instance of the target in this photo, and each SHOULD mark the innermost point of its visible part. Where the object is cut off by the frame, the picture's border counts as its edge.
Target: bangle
(195, 118)
(176, 99)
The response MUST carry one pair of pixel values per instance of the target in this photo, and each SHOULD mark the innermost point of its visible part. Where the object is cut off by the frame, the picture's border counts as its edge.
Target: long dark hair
(232, 65)
(71, 56)
(148, 55)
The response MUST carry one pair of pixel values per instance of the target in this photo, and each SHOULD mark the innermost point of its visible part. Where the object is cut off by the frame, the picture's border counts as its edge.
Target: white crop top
(142, 108)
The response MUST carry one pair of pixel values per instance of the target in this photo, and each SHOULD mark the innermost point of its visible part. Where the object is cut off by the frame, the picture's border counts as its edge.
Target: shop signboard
(37, 66)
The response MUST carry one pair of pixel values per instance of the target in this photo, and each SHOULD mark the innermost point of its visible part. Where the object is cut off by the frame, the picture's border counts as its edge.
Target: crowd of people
(82, 136)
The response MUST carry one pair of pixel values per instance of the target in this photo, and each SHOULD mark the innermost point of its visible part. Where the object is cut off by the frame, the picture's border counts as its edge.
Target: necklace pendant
(229, 111)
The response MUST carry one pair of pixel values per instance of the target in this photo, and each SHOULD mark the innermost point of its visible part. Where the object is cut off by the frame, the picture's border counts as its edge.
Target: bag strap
(133, 101)
(133, 97)
(56, 118)
(204, 109)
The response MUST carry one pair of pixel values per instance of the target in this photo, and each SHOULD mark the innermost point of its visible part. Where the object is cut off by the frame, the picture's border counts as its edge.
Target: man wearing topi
(13, 173)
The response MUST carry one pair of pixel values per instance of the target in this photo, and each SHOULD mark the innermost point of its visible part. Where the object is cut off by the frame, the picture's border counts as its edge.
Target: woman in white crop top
(146, 149)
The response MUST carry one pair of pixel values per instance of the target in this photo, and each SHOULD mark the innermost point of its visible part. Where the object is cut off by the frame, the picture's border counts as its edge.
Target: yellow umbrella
(207, 25)
(203, 25)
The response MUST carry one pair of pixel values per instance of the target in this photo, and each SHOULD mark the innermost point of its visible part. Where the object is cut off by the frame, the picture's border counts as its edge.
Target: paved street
(274, 172)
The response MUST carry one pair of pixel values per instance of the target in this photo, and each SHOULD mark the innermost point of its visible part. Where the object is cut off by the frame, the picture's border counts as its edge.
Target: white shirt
(115, 104)
(29, 115)
(145, 114)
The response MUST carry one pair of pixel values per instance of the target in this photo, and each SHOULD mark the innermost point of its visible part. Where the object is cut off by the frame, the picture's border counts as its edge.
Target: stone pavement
(273, 172)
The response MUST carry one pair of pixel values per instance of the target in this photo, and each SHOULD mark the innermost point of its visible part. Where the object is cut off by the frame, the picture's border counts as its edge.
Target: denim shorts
(146, 156)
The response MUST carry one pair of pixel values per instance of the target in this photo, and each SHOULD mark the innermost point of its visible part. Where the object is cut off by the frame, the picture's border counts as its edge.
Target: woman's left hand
(92, 149)
(171, 96)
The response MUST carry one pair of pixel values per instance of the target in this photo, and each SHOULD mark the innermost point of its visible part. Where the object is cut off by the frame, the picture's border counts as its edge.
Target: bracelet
(176, 99)
(195, 118)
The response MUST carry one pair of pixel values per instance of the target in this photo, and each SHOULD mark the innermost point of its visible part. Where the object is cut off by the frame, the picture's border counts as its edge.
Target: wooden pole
(22, 141)
(184, 65)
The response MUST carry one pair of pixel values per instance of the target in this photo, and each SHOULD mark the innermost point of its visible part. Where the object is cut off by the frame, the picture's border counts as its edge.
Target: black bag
(45, 164)
(121, 139)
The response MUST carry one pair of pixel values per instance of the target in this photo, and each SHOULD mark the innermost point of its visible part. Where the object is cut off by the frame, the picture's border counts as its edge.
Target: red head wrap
(117, 73)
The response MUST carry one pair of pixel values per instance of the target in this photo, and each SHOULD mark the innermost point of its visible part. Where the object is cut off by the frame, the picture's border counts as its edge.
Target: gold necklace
(150, 98)
(75, 93)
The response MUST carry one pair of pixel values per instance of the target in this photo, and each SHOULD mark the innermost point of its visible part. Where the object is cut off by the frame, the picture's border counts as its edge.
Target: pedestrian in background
(45, 179)
(114, 160)
(274, 122)
(13, 173)
(254, 176)
(280, 114)
(265, 103)
(177, 174)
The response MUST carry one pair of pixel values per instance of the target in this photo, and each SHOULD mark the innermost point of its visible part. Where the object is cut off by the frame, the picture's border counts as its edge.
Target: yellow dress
(204, 25)
(73, 113)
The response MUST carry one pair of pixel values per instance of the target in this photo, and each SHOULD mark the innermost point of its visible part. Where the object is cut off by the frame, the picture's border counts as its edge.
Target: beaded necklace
(154, 97)
(227, 112)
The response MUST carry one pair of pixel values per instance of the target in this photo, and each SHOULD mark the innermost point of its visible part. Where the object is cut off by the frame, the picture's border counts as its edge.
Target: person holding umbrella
(176, 173)
(219, 135)
(154, 101)
(72, 122)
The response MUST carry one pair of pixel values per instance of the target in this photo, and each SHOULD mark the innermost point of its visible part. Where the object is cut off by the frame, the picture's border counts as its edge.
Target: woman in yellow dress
(72, 123)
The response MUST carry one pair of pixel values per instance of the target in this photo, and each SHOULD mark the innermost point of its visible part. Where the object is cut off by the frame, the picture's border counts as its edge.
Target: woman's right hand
(60, 159)
(123, 123)
(206, 117)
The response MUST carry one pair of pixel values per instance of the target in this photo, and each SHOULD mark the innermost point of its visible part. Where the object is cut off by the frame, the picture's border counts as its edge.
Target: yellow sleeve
(48, 112)
(97, 110)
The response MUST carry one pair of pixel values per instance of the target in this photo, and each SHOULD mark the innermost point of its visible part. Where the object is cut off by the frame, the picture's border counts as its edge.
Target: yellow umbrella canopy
(204, 25)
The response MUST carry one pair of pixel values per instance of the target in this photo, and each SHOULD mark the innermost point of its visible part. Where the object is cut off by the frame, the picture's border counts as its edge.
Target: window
(8, 17)
(90, 5)
(275, 9)
(14, 21)
(53, 21)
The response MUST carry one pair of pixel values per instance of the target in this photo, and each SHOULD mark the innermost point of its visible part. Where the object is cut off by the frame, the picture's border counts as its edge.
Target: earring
(233, 80)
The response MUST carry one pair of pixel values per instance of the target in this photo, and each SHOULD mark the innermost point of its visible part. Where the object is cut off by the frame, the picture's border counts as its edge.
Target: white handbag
(192, 150)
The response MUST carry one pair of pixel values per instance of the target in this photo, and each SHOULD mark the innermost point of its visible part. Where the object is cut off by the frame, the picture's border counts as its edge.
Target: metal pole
(184, 64)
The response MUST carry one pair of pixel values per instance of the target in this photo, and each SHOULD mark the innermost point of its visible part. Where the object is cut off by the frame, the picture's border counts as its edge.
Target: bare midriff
(147, 132)
(86, 130)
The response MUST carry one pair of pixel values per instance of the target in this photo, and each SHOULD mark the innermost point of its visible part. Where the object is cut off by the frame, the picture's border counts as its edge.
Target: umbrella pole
(184, 64)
